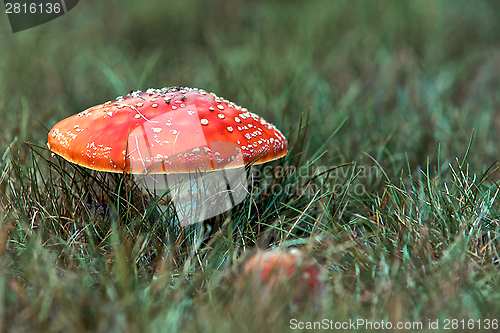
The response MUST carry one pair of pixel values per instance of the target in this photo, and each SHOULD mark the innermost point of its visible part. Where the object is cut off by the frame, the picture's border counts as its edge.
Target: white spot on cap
(220, 106)
(155, 105)
(156, 129)
(221, 116)
(191, 112)
(137, 116)
(229, 128)
(236, 119)
(174, 107)
(139, 104)
(211, 108)
(204, 122)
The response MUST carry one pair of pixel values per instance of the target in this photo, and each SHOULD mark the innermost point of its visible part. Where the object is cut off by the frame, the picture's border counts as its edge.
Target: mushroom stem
(200, 195)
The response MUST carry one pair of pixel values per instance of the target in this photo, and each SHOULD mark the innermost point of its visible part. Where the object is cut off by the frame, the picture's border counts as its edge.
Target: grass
(390, 109)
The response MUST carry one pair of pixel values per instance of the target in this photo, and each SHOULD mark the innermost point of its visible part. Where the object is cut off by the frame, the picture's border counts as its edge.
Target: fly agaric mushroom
(172, 131)
(270, 271)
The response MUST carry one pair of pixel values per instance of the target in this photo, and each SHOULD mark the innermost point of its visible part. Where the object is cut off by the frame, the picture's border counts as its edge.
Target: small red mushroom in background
(183, 140)
(278, 270)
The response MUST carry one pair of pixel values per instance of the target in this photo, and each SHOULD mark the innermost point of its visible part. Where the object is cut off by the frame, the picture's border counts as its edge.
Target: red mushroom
(169, 130)
(270, 271)
(172, 131)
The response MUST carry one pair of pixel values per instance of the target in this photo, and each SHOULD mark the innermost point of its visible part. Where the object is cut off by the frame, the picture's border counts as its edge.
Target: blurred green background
(407, 74)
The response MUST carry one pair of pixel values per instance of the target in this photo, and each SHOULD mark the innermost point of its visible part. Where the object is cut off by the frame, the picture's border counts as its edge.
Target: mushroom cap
(169, 130)
(278, 266)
